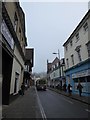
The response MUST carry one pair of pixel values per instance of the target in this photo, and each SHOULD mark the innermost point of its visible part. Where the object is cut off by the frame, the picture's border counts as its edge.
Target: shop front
(79, 73)
(84, 78)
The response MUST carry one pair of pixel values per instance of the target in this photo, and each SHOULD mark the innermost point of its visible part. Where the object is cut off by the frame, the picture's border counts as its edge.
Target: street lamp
(59, 66)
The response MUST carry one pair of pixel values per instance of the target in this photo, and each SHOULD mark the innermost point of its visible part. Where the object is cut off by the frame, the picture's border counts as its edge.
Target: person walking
(79, 87)
(64, 87)
(22, 88)
(69, 89)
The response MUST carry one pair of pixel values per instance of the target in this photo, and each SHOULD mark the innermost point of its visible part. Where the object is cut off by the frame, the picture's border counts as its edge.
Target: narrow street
(59, 106)
(45, 104)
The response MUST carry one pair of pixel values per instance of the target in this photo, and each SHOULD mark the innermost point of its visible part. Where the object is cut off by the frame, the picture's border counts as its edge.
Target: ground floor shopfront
(7, 61)
(79, 73)
(12, 76)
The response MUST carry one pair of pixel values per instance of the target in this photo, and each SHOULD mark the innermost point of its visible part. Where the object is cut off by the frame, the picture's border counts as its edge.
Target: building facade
(29, 63)
(77, 56)
(55, 73)
(13, 49)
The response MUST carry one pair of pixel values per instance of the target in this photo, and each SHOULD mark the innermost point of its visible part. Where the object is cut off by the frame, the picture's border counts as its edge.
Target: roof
(78, 27)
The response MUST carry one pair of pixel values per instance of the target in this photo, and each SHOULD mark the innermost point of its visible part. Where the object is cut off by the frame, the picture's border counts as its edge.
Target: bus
(41, 84)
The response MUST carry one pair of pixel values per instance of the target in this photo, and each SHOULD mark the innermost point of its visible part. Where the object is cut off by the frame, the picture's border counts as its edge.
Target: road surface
(54, 105)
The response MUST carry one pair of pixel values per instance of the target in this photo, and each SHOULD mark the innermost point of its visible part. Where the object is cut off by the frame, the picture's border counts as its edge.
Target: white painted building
(56, 75)
(13, 49)
(77, 55)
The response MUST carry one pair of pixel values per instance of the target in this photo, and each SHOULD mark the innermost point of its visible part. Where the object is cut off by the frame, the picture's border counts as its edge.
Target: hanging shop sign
(6, 33)
(81, 74)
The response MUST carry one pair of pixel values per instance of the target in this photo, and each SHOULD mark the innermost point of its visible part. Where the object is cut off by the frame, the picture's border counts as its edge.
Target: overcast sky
(48, 26)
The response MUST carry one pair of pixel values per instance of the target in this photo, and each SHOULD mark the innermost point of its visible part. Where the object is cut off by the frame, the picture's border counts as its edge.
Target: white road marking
(41, 108)
(87, 110)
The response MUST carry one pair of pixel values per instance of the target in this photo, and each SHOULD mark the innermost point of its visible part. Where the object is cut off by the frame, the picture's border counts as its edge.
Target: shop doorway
(7, 61)
(16, 83)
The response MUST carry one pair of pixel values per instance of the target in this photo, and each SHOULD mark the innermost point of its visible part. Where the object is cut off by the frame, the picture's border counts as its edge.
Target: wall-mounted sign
(81, 74)
(6, 33)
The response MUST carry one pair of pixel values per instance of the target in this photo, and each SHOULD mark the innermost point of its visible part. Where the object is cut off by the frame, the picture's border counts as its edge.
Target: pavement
(84, 99)
(28, 106)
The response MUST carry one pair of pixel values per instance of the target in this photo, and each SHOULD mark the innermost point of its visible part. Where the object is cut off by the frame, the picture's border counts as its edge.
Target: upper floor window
(85, 26)
(67, 61)
(54, 66)
(15, 21)
(79, 55)
(72, 58)
(71, 43)
(77, 37)
(57, 64)
(20, 33)
(88, 48)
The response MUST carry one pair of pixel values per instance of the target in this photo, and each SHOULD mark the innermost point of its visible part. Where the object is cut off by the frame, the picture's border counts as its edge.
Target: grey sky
(48, 25)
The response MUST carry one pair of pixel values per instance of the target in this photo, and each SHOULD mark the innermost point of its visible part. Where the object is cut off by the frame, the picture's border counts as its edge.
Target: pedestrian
(22, 88)
(79, 87)
(69, 89)
(64, 87)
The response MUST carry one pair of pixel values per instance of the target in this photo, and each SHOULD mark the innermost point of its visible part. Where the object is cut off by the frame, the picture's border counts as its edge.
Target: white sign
(6, 33)
(81, 74)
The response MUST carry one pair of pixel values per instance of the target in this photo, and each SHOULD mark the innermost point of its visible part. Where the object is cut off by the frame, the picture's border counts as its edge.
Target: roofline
(78, 27)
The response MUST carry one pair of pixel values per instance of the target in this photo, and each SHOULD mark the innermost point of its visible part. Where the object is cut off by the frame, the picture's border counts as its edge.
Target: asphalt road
(54, 105)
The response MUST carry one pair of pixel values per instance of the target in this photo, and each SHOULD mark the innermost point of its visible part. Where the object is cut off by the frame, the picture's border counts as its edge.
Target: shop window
(88, 78)
(16, 83)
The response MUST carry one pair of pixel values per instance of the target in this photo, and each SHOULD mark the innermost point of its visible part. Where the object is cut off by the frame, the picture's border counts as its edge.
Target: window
(85, 27)
(77, 37)
(67, 63)
(20, 33)
(72, 59)
(57, 64)
(16, 82)
(15, 22)
(88, 48)
(71, 43)
(78, 52)
(79, 55)
(54, 66)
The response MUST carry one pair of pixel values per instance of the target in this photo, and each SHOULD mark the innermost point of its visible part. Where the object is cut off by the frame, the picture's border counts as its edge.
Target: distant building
(13, 49)
(55, 72)
(29, 63)
(77, 56)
